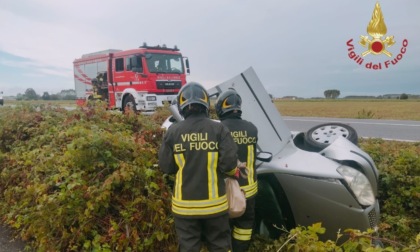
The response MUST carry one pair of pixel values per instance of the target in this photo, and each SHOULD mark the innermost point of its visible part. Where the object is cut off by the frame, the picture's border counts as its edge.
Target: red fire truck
(139, 79)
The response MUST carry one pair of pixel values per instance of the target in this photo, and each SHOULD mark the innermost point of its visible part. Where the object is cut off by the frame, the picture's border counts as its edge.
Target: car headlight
(151, 98)
(359, 185)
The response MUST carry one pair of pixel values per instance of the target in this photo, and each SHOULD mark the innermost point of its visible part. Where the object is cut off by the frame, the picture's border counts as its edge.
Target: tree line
(334, 93)
(70, 94)
(30, 94)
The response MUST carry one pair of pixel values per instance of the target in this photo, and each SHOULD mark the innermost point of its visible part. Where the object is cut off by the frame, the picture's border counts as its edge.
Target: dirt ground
(7, 243)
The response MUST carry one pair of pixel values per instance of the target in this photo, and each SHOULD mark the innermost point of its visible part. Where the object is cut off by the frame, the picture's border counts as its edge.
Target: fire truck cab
(139, 79)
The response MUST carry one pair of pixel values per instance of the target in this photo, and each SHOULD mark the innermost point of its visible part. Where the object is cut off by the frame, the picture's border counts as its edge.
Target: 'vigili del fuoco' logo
(377, 43)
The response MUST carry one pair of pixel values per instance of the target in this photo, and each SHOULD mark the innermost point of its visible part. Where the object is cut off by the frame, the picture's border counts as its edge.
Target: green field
(362, 109)
(39, 102)
(341, 108)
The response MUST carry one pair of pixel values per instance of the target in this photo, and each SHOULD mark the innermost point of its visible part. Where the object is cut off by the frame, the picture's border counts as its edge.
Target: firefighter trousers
(242, 227)
(212, 232)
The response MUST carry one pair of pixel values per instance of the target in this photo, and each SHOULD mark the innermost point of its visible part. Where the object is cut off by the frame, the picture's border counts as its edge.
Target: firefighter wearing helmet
(245, 135)
(200, 152)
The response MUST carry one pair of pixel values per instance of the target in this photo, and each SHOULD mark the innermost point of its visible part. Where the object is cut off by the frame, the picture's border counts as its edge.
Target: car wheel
(320, 136)
(129, 104)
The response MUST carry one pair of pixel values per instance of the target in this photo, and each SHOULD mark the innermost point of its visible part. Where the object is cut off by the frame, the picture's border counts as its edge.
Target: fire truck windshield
(164, 63)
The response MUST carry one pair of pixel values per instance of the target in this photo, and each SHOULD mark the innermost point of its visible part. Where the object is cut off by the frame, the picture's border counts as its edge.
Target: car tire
(129, 104)
(320, 136)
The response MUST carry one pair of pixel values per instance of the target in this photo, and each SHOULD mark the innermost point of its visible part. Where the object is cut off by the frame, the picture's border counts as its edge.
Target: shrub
(84, 180)
(307, 239)
(399, 186)
(364, 114)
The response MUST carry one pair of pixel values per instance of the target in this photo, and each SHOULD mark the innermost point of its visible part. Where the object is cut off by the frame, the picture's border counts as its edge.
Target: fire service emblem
(376, 43)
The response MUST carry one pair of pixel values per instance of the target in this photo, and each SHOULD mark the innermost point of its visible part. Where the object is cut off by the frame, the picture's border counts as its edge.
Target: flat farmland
(340, 108)
(344, 108)
(61, 103)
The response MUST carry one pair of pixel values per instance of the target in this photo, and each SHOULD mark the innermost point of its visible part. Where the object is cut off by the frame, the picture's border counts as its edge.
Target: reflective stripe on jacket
(201, 152)
(245, 135)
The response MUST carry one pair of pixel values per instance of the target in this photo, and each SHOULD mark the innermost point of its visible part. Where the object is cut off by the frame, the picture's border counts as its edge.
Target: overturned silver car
(335, 184)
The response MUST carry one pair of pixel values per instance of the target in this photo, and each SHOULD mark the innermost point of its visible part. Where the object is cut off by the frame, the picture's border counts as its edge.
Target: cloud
(296, 47)
(35, 68)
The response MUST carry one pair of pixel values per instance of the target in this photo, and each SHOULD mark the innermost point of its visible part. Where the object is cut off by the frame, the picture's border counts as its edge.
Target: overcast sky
(296, 47)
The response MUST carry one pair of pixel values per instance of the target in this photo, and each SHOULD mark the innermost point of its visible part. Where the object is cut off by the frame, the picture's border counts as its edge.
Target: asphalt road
(7, 243)
(399, 130)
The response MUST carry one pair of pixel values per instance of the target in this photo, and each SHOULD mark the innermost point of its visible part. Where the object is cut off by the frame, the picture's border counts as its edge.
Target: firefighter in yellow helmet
(201, 152)
(245, 135)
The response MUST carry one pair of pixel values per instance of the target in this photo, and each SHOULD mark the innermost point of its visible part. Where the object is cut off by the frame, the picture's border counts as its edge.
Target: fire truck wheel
(129, 104)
